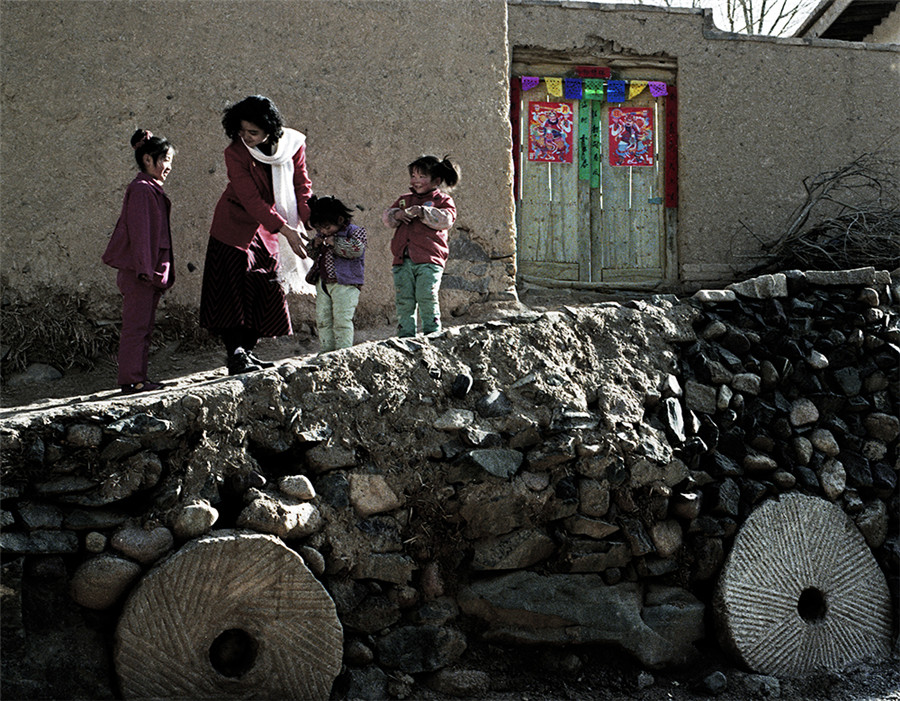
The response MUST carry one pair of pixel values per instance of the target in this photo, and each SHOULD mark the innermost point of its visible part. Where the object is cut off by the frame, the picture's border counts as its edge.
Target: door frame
(542, 63)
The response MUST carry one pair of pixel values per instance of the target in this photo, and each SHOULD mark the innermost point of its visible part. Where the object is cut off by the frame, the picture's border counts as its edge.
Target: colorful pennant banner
(615, 91)
(635, 88)
(572, 88)
(595, 88)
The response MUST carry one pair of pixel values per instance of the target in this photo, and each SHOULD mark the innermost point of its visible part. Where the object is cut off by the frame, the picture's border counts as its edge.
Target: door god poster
(631, 136)
(550, 137)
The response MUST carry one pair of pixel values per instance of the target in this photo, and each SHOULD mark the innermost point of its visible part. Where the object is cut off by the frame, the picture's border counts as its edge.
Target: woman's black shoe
(259, 361)
(240, 362)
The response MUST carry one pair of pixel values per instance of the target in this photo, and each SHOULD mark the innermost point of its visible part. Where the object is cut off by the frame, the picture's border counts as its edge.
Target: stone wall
(370, 103)
(567, 477)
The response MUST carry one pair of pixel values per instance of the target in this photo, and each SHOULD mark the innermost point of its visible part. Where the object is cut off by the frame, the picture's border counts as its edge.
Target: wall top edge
(710, 30)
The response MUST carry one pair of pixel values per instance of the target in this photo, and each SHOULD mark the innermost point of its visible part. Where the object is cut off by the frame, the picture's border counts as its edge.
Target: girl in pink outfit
(421, 219)
(141, 249)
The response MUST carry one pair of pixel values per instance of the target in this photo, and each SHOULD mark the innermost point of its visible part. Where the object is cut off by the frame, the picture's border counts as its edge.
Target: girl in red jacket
(420, 248)
(244, 281)
(141, 249)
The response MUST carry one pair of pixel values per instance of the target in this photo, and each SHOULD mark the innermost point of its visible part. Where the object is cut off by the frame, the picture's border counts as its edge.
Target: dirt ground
(178, 364)
(533, 674)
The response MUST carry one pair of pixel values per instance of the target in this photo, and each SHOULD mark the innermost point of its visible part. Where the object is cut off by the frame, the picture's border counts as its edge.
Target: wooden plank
(546, 269)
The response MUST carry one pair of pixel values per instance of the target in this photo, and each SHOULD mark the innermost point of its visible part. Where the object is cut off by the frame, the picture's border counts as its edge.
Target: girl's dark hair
(256, 109)
(327, 210)
(145, 144)
(436, 167)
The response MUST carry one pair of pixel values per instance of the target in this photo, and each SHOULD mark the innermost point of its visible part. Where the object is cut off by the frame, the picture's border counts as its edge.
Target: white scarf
(291, 269)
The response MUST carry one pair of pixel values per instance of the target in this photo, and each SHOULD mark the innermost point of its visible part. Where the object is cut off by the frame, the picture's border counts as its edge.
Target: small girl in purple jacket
(141, 249)
(339, 249)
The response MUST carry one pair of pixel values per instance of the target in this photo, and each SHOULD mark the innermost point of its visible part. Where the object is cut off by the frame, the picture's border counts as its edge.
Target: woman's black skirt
(241, 290)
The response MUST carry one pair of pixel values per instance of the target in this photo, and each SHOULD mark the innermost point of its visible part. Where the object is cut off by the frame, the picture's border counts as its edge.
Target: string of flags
(552, 126)
(595, 88)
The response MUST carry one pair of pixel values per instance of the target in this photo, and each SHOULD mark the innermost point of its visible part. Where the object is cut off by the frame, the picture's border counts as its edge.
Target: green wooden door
(608, 228)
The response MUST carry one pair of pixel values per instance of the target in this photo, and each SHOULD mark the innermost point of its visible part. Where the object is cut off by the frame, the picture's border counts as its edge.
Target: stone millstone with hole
(801, 592)
(237, 615)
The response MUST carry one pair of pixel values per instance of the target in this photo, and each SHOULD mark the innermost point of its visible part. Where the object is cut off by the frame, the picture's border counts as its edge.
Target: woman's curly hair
(256, 109)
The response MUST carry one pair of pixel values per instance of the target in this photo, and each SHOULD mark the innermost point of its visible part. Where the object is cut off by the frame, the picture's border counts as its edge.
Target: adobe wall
(756, 116)
(752, 123)
(372, 84)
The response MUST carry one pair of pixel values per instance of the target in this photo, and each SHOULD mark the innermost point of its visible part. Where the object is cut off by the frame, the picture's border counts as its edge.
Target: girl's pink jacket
(418, 240)
(142, 239)
(247, 206)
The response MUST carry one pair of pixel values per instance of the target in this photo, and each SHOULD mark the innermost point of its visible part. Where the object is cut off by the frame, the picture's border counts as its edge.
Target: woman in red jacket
(141, 249)
(247, 273)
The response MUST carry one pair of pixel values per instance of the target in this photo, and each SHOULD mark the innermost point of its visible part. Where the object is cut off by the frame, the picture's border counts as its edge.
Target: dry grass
(55, 327)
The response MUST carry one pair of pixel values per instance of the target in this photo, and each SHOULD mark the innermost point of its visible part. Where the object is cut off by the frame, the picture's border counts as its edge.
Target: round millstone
(232, 615)
(801, 592)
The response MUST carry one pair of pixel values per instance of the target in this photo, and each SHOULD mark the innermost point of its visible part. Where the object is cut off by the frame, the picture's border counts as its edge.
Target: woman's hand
(293, 238)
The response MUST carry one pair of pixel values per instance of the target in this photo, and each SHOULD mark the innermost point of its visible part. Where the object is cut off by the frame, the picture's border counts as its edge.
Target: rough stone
(883, 427)
(37, 516)
(267, 513)
(143, 545)
(194, 519)
(762, 287)
(298, 487)
(499, 462)
(593, 497)
(824, 441)
(324, 458)
(386, 567)
(667, 538)
(803, 412)
(872, 522)
(371, 494)
(461, 683)
(415, 649)
(526, 607)
(833, 478)
(700, 398)
(516, 550)
(454, 420)
(84, 435)
(100, 582)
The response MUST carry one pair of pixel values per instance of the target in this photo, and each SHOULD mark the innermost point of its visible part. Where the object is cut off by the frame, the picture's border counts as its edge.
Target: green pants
(334, 315)
(417, 285)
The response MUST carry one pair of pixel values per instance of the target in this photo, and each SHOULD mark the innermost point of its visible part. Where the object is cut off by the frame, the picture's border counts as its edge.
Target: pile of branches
(850, 218)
